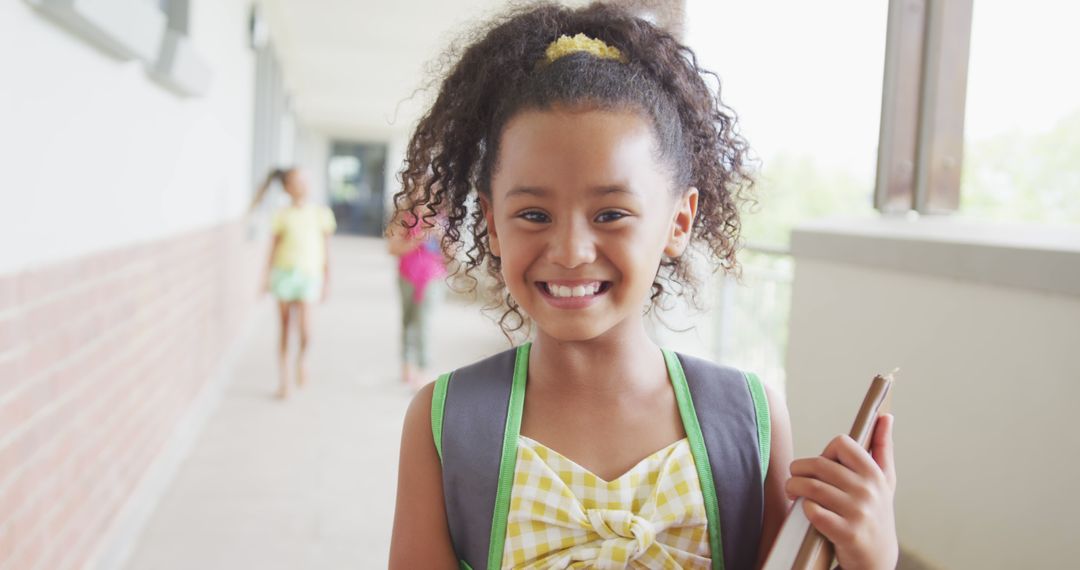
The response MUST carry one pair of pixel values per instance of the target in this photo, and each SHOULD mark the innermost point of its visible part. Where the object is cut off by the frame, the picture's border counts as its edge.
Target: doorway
(356, 181)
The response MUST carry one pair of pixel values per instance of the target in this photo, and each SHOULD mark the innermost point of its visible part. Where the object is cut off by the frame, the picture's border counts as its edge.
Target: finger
(852, 455)
(826, 470)
(821, 493)
(828, 523)
(881, 448)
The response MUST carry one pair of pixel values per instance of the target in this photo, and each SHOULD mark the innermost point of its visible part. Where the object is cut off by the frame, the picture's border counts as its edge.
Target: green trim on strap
(509, 458)
(764, 425)
(701, 456)
(464, 565)
(438, 404)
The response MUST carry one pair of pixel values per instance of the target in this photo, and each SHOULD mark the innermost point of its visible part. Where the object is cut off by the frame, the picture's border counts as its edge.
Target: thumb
(881, 447)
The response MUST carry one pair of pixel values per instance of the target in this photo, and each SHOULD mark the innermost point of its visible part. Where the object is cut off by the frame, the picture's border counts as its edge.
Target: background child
(420, 266)
(598, 154)
(298, 268)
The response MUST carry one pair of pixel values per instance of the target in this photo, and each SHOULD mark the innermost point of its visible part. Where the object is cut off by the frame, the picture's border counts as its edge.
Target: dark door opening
(356, 179)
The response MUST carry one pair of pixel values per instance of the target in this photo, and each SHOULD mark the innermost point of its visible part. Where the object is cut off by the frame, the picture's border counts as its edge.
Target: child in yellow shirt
(298, 267)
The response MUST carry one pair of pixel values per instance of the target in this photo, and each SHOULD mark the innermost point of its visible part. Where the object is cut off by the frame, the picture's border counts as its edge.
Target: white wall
(312, 155)
(986, 446)
(96, 155)
(396, 148)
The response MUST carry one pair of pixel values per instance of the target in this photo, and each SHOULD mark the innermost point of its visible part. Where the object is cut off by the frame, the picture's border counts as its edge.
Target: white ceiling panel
(351, 65)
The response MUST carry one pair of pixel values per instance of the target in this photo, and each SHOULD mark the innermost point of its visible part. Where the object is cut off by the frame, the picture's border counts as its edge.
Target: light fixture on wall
(128, 29)
(180, 67)
(258, 29)
(136, 29)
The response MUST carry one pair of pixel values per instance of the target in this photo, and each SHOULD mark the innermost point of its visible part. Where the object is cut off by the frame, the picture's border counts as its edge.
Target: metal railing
(751, 315)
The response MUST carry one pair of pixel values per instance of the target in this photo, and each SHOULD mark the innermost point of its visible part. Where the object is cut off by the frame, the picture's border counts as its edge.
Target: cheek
(636, 255)
(516, 255)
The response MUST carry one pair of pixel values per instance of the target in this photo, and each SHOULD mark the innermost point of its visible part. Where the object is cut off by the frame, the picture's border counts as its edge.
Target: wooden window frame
(920, 143)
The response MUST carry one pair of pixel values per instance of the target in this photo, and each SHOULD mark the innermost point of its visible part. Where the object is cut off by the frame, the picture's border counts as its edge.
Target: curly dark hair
(502, 71)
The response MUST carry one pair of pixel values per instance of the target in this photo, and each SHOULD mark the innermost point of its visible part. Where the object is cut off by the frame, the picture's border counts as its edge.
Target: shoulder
(779, 420)
(694, 366)
(326, 217)
(479, 378)
(279, 219)
(287, 212)
(780, 455)
(421, 537)
(780, 443)
(418, 415)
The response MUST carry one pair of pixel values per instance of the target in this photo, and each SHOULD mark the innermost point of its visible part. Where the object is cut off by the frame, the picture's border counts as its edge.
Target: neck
(623, 358)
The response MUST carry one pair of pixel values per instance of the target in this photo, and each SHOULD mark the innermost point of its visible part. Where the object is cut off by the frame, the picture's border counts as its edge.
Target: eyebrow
(595, 191)
(527, 191)
(614, 189)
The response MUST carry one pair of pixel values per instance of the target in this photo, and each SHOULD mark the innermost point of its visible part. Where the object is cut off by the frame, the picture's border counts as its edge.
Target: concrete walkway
(309, 482)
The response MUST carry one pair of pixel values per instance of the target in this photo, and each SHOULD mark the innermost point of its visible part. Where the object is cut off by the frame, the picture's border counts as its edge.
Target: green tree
(793, 188)
(1025, 177)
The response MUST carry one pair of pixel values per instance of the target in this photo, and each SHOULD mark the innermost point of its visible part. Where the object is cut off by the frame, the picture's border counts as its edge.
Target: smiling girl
(584, 152)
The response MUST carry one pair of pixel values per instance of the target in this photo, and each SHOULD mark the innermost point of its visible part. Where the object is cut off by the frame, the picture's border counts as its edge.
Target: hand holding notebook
(844, 497)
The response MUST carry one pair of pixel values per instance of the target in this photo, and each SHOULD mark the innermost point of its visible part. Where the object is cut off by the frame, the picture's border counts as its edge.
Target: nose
(572, 245)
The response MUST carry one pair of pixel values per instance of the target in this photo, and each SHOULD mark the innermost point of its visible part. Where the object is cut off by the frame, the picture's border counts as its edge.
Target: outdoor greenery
(1025, 177)
(793, 188)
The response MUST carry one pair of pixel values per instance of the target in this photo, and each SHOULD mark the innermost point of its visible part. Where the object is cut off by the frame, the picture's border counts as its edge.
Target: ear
(489, 219)
(682, 224)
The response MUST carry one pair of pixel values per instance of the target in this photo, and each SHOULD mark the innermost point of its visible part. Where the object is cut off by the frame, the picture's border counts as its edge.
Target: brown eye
(534, 216)
(609, 216)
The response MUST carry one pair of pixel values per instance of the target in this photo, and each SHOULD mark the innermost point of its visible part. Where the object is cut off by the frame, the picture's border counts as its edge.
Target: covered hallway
(308, 482)
(917, 206)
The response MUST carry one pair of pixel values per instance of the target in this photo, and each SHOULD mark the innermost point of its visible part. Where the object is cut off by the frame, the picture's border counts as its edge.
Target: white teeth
(575, 291)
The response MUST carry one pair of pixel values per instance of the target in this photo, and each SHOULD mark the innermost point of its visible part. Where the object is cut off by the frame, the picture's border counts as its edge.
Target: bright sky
(803, 76)
(806, 76)
(1023, 72)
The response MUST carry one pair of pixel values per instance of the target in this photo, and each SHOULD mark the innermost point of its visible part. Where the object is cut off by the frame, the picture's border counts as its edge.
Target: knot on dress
(625, 535)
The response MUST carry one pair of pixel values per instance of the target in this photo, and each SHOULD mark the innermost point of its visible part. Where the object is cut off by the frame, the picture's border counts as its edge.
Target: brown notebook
(800, 546)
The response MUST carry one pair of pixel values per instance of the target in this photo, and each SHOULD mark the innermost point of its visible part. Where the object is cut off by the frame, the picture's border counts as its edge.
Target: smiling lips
(572, 295)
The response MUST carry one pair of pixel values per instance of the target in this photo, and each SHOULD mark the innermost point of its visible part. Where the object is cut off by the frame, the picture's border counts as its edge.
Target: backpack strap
(723, 417)
(764, 423)
(438, 407)
(476, 420)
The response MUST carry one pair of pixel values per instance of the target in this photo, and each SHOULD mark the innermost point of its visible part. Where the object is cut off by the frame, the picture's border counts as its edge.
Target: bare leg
(420, 332)
(283, 351)
(408, 315)
(303, 311)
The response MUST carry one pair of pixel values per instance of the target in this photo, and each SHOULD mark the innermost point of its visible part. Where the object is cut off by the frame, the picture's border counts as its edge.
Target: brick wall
(99, 359)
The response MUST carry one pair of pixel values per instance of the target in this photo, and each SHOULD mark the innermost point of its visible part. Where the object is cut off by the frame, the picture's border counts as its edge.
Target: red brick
(18, 492)
(42, 320)
(65, 509)
(11, 331)
(37, 285)
(26, 527)
(7, 545)
(127, 339)
(9, 292)
(12, 370)
(16, 453)
(29, 551)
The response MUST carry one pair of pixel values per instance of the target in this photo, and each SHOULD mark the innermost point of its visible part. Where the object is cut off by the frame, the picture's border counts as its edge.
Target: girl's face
(295, 185)
(581, 212)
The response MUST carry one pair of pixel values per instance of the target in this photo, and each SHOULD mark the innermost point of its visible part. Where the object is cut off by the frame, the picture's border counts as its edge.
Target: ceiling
(352, 66)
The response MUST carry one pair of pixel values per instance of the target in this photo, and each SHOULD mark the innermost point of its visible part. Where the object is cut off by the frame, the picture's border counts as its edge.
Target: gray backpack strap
(728, 405)
(473, 428)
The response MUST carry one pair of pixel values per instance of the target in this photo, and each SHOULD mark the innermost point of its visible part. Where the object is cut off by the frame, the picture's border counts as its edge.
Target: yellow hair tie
(567, 45)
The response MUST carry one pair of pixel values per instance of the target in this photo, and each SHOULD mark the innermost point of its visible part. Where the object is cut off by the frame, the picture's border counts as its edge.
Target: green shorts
(293, 285)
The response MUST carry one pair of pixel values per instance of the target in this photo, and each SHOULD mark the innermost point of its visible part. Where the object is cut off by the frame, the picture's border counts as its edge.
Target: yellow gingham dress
(564, 516)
